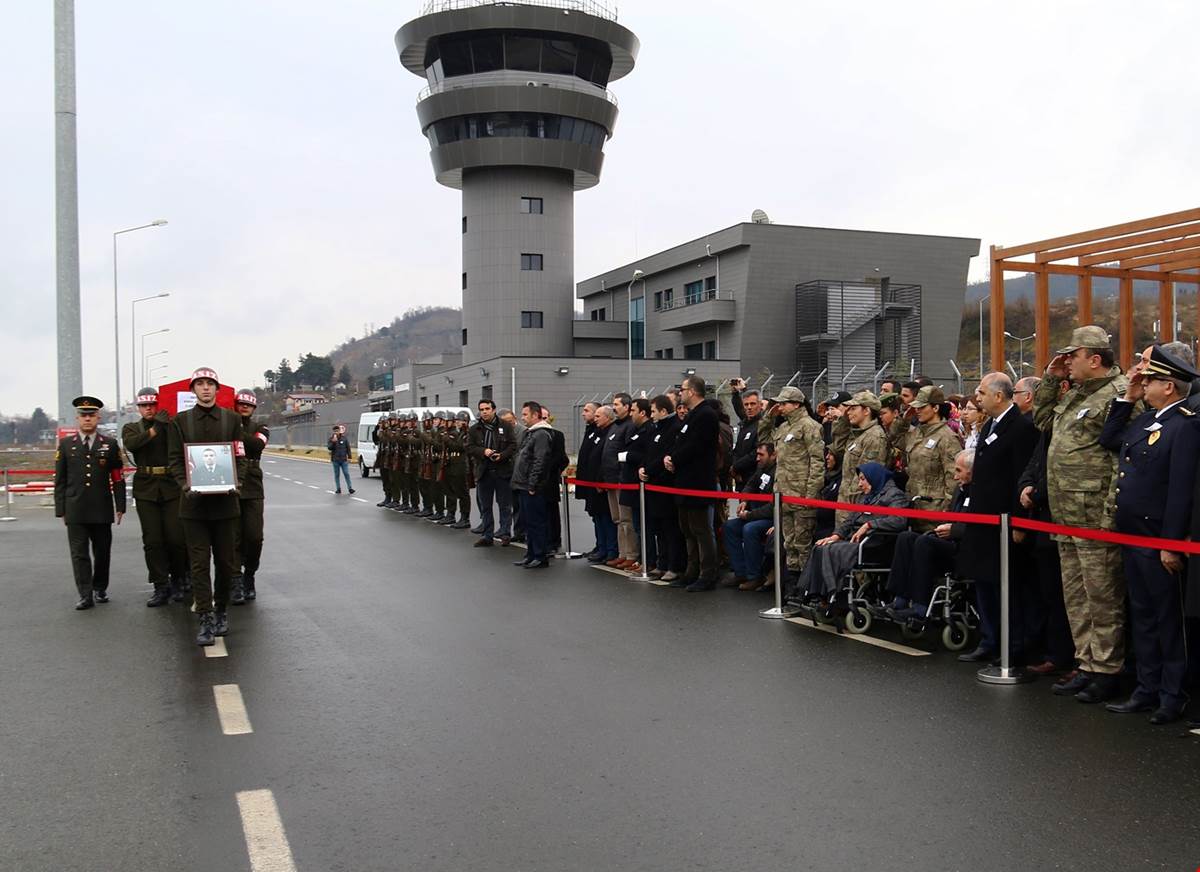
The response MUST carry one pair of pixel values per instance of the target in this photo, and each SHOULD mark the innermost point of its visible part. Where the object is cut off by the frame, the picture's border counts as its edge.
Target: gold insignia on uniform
(1154, 437)
(1185, 411)
(57, 454)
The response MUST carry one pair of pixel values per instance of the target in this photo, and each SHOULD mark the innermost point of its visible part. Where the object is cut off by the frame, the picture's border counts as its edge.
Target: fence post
(1005, 673)
(776, 612)
(8, 515)
(566, 523)
(642, 533)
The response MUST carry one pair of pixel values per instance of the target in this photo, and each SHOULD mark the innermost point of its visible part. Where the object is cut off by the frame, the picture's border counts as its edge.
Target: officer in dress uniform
(458, 492)
(156, 496)
(251, 495)
(88, 483)
(1157, 459)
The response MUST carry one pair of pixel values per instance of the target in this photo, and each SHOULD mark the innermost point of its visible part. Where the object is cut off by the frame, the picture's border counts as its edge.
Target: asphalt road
(416, 704)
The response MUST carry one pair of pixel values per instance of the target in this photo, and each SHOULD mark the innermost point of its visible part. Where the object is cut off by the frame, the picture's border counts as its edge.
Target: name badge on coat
(929, 443)
(683, 429)
(1080, 413)
(789, 437)
(659, 436)
(990, 439)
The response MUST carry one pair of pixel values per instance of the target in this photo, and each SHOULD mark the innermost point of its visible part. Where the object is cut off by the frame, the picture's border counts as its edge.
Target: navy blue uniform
(89, 485)
(1156, 476)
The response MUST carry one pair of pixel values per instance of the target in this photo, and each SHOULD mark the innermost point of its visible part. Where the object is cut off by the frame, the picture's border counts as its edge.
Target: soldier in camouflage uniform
(1081, 477)
(799, 472)
(865, 440)
(458, 495)
(930, 449)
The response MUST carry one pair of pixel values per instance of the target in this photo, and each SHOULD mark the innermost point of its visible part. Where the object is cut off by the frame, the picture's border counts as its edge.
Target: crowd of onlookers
(1059, 447)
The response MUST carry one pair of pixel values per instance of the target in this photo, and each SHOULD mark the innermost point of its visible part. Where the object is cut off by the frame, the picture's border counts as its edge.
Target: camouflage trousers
(1093, 585)
(798, 526)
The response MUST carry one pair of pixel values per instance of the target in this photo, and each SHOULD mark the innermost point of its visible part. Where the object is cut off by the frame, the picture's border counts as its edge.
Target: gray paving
(419, 704)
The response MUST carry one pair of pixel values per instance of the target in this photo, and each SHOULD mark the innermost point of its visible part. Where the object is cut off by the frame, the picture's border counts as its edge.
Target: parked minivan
(366, 426)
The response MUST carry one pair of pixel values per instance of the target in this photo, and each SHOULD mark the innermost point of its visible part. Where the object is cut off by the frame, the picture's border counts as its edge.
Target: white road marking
(217, 649)
(268, 461)
(297, 482)
(604, 568)
(314, 487)
(360, 499)
(285, 478)
(266, 842)
(231, 710)
(328, 491)
(866, 640)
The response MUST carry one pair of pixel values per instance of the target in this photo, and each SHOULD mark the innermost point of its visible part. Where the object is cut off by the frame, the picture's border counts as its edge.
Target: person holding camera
(339, 456)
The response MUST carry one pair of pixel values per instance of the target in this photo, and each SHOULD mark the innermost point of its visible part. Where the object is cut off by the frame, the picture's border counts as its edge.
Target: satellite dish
(758, 216)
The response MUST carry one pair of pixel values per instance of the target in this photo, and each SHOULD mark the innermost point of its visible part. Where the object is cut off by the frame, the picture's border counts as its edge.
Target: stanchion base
(642, 577)
(569, 555)
(1000, 675)
(7, 519)
(774, 614)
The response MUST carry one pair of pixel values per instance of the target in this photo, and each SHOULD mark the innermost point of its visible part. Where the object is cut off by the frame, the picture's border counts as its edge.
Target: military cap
(463, 415)
(247, 397)
(147, 397)
(866, 399)
(204, 372)
(889, 400)
(1166, 365)
(1090, 336)
(838, 398)
(929, 396)
(87, 403)
(789, 394)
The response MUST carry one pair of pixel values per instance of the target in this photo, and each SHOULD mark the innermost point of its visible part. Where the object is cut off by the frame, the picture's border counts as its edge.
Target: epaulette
(1184, 410)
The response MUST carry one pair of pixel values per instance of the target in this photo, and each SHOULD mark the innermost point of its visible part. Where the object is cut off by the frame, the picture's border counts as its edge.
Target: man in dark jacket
(747, 405)
(88, 486)
(606, 530)
(531, 471)
(552, 491)
(662, 515)
(633, 459)
(694, 462)
(491, 448)
(339, 456)
(746, 531)
(615, 439)
(583, 461)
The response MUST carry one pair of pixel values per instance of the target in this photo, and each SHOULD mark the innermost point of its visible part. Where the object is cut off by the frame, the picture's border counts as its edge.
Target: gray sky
(281, 142)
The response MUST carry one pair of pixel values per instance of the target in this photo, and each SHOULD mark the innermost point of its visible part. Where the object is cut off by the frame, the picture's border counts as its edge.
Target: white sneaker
(670, 576)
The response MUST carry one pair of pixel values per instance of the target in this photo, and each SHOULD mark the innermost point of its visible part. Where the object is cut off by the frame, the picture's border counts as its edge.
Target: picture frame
(211, 467)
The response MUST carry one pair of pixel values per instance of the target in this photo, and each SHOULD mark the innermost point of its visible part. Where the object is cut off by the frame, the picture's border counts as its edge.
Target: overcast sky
(280, 141)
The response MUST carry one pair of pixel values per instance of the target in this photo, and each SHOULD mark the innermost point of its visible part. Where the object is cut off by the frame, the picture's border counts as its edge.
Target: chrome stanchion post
(8, 515)
(1005, 673)
(566, 522)
(777, 515)
(642, 532)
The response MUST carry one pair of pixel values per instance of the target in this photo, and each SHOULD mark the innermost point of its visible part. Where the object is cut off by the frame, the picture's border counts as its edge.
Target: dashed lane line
(866, 640)
(314, 487)
(231, 709)
(217, 648)
(266, 842)
(359, 499)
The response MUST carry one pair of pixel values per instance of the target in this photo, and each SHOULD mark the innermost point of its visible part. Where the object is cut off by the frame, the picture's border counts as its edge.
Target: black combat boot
(248, 588)
(220, 624)
(160, 597)
(205, 636)
(237, 594)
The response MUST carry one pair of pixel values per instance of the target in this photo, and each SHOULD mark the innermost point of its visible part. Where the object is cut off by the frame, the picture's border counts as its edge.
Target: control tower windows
(461, 54)
(527, 124)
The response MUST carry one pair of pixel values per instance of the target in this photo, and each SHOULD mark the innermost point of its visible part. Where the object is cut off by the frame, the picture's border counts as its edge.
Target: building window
(531, 319)
(637, 328)
(692, 292)
(668, 298)
(485, 392)
(694, 352)
(531, 262)
(670, 354)
(464, 336)
(462, 399)
(710, 350)
(531, 205)
(710, 284)
(464, 224)
(600, 314)
(658, 301)
(424, 402)
(464, 281)
(658, 355)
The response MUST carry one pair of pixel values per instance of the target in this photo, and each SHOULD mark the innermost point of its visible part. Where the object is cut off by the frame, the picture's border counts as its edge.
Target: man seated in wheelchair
(836, 555)
(921, 560)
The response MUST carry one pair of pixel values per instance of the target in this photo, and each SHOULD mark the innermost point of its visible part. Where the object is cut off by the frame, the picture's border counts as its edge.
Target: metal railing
(516, 77)
(695, 299)
(587, 7)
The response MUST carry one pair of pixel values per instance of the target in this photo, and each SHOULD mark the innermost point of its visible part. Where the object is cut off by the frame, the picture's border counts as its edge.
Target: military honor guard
(89, 493)
(251, 494)
(210, 520)
(1157, 454)
(156, 496)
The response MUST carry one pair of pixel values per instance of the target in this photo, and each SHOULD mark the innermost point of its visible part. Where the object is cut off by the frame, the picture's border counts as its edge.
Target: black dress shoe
(683, 581)
(537, 564)
(504, 540)
(1071, 683)
(979, 655)
(1133, 705)
(701, 585)
(524, 562)
(383, 503)
(483, 543)
(85, 602)
(1165, 715)
(100, 596)
(160, 597)
(1101, 688)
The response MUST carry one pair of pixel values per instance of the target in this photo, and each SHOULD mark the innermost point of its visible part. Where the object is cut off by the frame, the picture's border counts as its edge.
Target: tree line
(314, 371)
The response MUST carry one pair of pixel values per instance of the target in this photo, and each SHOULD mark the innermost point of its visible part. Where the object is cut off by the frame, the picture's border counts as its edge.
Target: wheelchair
(860, 595)
(952, 607)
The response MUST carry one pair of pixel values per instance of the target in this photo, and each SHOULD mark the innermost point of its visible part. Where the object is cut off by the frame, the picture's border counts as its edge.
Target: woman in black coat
(662, 521)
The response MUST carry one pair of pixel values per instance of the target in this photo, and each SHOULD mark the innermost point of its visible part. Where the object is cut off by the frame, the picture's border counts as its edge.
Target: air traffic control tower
(517, 112)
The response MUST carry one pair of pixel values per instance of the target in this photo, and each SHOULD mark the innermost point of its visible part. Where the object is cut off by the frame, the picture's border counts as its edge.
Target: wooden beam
(1125, 322)
(1111, 245)
(1084, 292)
(1190, 241)
(996, 327)
(1155, 223)
(1041, 322)
(1183, 263)
(1152, 260)
(1066, 269)
(1166, 313)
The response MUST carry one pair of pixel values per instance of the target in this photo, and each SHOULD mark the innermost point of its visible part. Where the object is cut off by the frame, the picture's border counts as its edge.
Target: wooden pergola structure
(1153, 249)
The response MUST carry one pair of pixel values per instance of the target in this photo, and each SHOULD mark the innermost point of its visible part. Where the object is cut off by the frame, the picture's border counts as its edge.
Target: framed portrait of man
(211, 468)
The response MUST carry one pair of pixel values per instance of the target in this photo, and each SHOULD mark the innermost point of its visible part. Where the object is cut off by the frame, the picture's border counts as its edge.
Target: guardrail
(516, 78)
(696, 299)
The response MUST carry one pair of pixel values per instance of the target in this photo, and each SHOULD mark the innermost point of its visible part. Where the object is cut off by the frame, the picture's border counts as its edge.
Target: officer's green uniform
(156, 496)
(383, 451)
(929, 460)
(88, 483)
(799, 472)
(458, 495)
(437, 455)
(411, 463)
(251, 496)
(863, 445)
(425, 468)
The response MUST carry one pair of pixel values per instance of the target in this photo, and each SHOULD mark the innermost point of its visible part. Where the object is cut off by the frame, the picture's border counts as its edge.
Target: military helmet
(204, 372)
(391, 416)
(147, 397)
(247, 397)
(440, 413)
(427, 415)
(464, 415)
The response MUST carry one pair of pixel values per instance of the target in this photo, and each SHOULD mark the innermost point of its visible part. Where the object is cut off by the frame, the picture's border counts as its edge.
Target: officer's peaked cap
(1163, 363)
(87, 403)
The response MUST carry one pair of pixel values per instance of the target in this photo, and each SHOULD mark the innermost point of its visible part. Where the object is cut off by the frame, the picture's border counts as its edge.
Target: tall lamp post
(150, 377)
(637, 274)
(146, 359)
(1021, 340)
(133, 371)
(143, 342)
(157, 222)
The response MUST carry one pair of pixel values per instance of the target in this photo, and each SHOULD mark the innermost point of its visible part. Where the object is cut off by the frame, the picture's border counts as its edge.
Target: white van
(366, 426)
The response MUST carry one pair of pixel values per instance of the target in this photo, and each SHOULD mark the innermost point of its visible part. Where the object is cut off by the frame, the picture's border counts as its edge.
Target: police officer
(458, 488)
(156, 496)
(929, 452)
(1157, 456)
(799, 471)
(251, 494)
(88, 483)
(210, 521)
(866, 442)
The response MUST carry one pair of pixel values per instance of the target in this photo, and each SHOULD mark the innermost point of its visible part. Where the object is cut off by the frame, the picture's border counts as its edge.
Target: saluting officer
(156, 496)
(1157, 459)
(210, 521)
(88, 483)
(251, 495)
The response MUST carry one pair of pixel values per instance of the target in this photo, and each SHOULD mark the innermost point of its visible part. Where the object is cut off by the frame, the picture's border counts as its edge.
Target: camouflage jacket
(1080, 473)
(865, 444)
(799, 456)
(929, 460)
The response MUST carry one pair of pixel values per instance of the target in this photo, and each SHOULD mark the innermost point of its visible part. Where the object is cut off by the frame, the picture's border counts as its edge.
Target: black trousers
(1156, 618)
(664, 530)
(215, 540)
(494, 487)
(162, 539)
(86, 541)
(700, 541)
(1050, 631)
(553, 524)
(386, 477)
(250, 537)
(920, 559)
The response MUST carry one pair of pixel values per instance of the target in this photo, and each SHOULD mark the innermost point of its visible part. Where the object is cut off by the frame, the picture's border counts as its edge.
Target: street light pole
(144, 335)
(146, 359)
(133, 333)
(157, 222)
(1021, 340)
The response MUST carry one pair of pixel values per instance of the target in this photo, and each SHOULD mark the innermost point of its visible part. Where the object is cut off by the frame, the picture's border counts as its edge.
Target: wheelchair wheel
(858, 620)
(955, 635)
(911, 631)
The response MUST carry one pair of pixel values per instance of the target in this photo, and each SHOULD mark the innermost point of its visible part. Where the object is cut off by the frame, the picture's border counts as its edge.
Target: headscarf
(878, 476)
